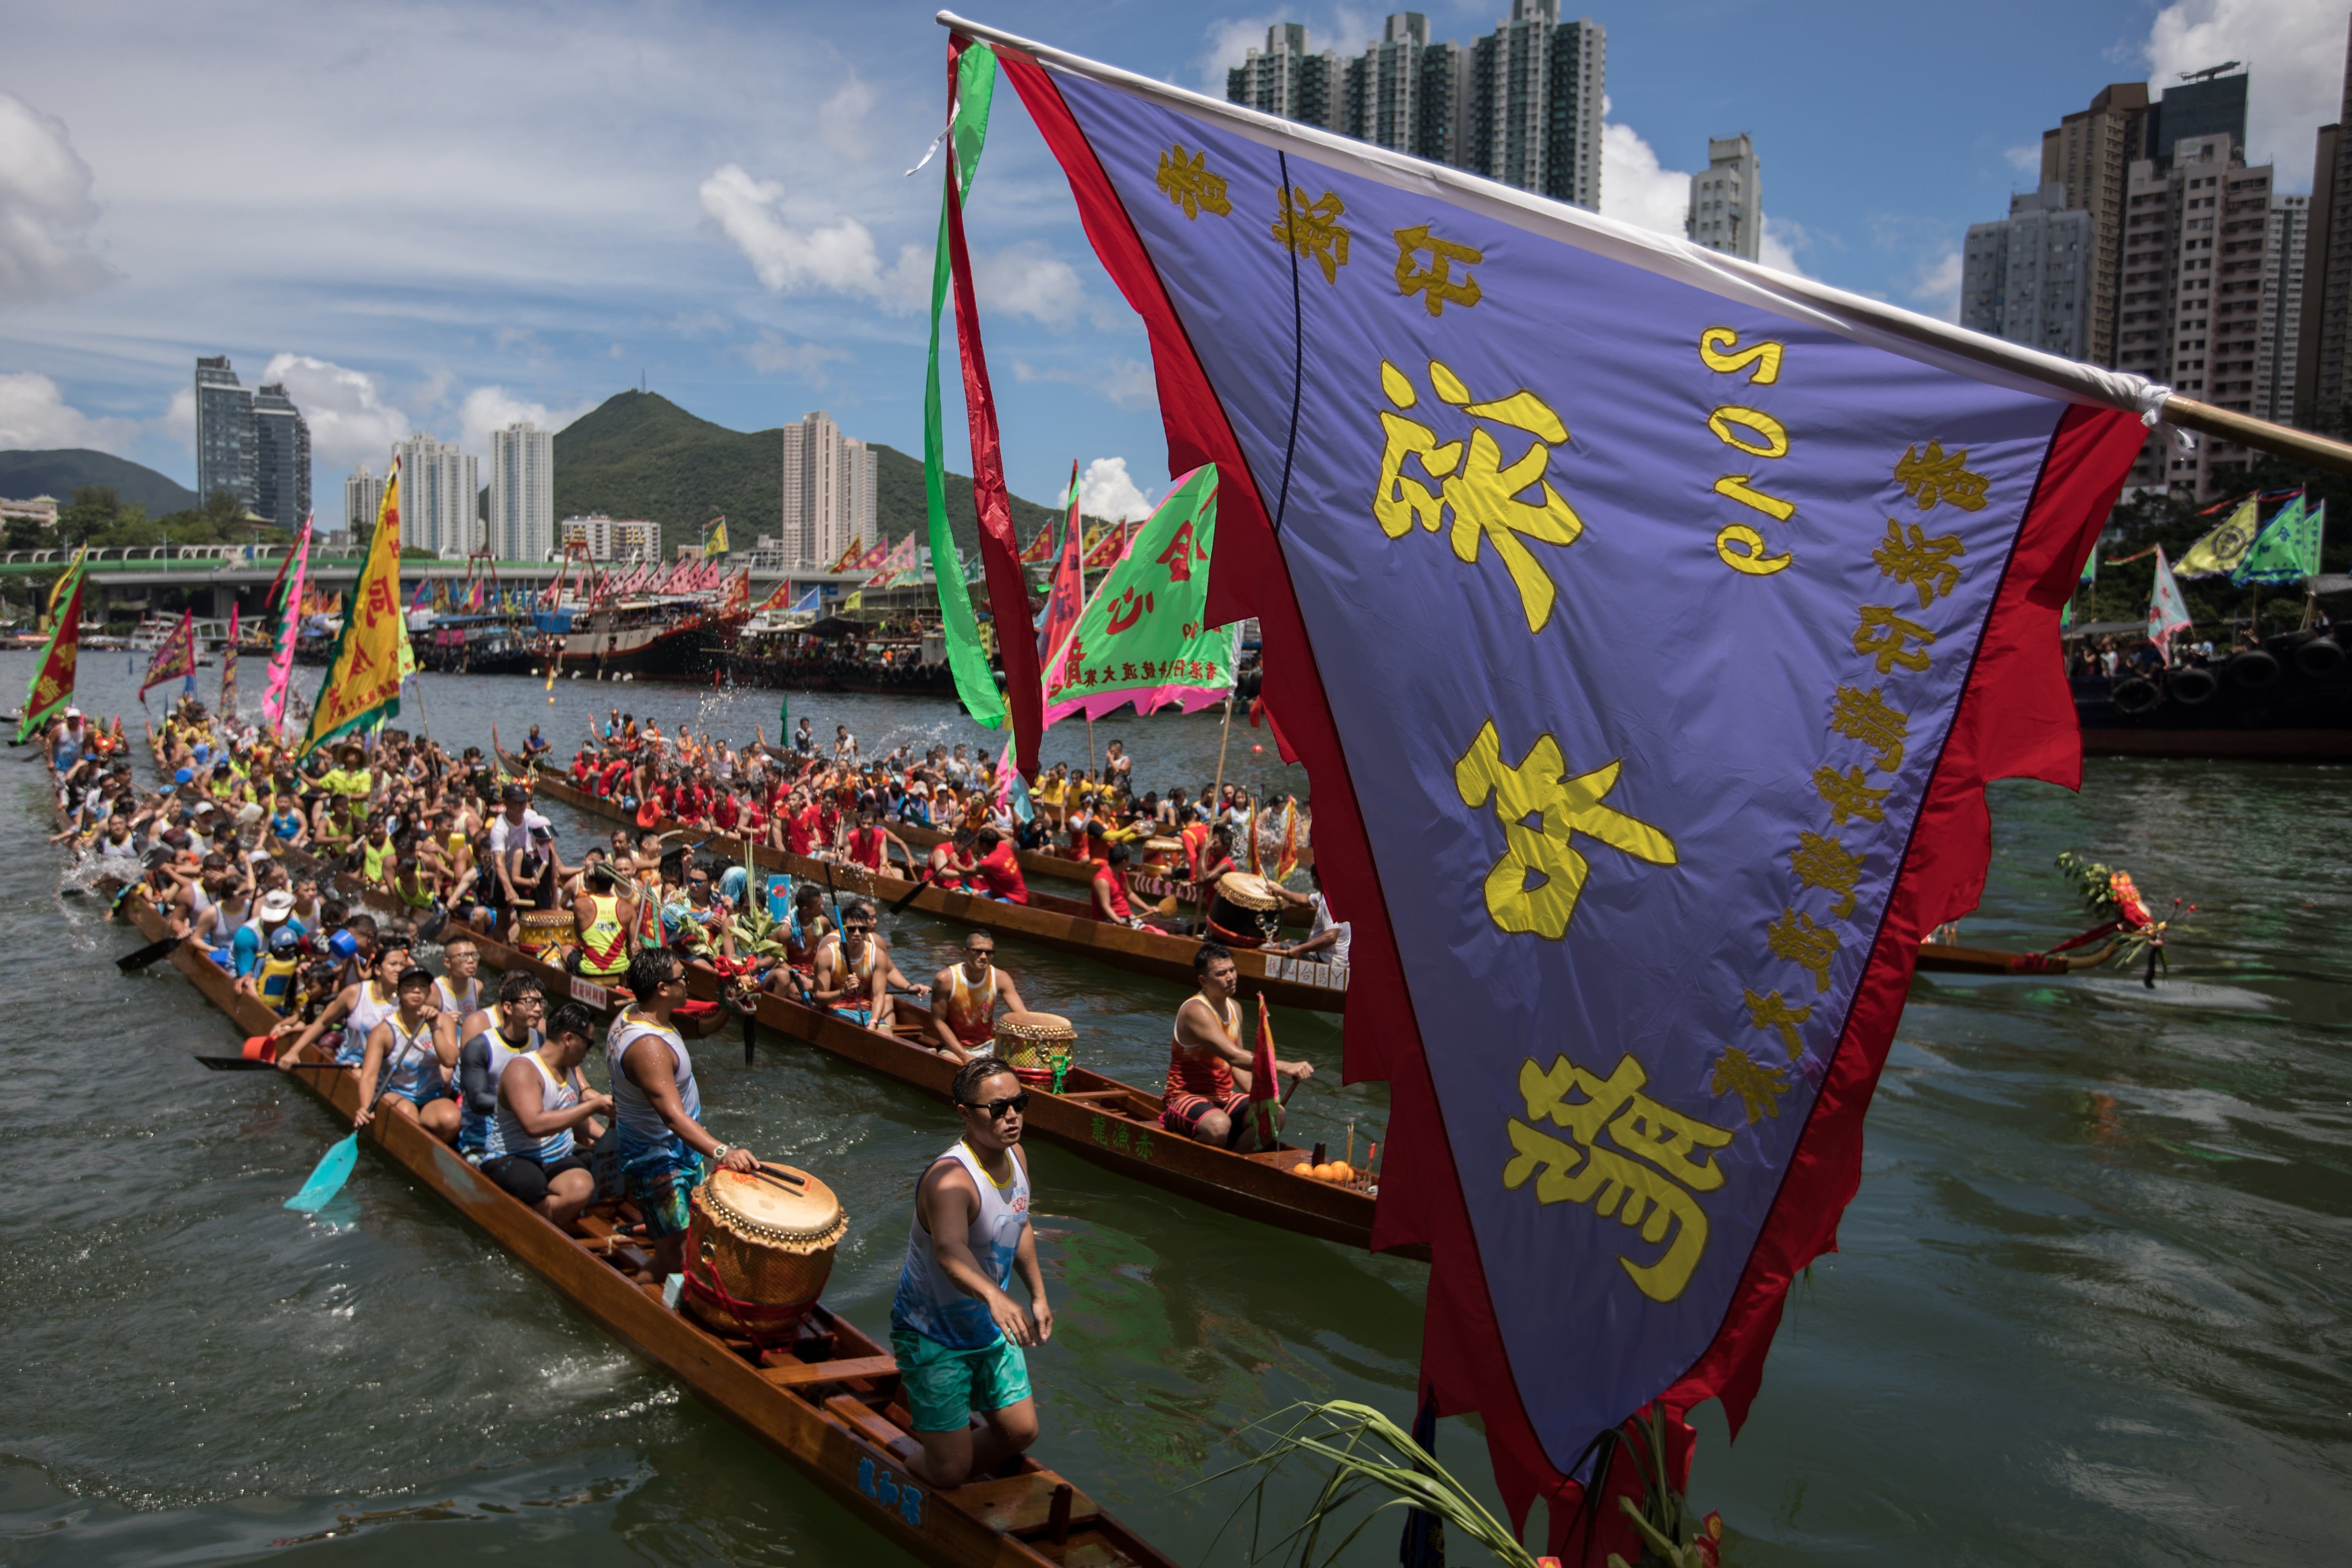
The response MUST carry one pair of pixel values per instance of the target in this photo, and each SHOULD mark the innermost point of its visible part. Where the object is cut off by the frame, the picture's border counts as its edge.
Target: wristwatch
(722, 1152)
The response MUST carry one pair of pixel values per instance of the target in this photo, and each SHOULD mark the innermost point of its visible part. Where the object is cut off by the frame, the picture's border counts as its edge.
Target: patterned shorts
(658, 1181)
(1181, 1111)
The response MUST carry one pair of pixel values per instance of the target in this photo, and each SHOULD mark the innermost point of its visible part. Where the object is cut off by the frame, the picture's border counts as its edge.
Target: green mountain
(640, 454)
(60, 472)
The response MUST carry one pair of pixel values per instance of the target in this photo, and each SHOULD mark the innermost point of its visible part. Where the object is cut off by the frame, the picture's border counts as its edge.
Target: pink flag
(281, 663)
(174, 658)
(2166, 611)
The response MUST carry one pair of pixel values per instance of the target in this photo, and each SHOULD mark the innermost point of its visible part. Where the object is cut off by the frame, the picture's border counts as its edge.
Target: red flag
(1266, 1084)
(1065, 599)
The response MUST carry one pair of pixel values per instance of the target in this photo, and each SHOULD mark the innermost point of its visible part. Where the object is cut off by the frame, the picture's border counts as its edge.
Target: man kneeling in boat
(665, 1153)
(958, 1336)
(410, 1052)
(1208, 1066)
(536, 1142)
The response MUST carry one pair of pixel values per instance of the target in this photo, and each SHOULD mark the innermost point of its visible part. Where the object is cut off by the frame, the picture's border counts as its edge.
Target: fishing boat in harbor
(828, 1404)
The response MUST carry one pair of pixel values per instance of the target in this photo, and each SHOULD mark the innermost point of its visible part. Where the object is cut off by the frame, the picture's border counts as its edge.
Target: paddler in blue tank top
(665, 1152)
(957, 1334)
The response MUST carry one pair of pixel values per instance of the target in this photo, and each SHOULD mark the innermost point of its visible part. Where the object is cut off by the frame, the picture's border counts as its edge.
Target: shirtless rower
(964, 998)
(665, 1153)
(1208, 1066)
(957, 1333)
(854, 972)
(410, 1052)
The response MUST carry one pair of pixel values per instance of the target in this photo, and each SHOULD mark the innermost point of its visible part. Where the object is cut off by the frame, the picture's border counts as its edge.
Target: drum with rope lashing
(1246, 912)
(1036, 1046)
(541, 931)
(758, 1249)
(1158, 852)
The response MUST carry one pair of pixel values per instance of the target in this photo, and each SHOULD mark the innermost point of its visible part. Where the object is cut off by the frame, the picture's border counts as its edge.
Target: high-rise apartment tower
(1727, 199)
(2027, 278)
(522, 493)
(223, 432)
(362, 499)
(281, 458)
(830, 498)
(440, 491)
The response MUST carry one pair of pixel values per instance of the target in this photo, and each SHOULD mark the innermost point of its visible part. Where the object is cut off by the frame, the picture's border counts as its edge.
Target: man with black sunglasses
(956, 1333)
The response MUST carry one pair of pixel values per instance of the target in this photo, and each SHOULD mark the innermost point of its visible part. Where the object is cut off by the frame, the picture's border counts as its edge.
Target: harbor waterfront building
(281, 459)
(1521, 105)
(1727, 199)
(831, 494)
(601, 538)
(2027, 278)
(522, 493)
(362, 499)
(2323, 360)
(440, 490)
(224, 457)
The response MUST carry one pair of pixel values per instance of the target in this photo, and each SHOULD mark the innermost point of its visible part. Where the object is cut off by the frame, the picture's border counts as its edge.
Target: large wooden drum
(541, 932)
(758, 1249)
(1246, 912)
(1032, 1043)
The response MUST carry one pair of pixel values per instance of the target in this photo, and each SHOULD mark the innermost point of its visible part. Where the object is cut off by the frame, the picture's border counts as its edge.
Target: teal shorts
(944, 1385)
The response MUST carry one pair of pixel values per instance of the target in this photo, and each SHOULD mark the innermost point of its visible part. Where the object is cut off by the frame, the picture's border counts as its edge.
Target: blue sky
(445, 217)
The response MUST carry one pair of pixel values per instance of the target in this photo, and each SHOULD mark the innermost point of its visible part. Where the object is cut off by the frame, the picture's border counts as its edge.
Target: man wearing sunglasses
(957, 1334)
(855, 970)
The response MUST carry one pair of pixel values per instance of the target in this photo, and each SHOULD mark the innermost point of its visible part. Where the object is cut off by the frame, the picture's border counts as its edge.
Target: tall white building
(522, 493)
(362, 499)
(1727, 199)
(1284, 78)
(1536, 85)
(2030, 278)
(830, 496)
(601, 538)
(2276, 349)
(440, 497)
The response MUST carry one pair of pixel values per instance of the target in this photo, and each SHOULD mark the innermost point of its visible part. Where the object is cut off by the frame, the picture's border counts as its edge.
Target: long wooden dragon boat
(1150, 881)
(1114, 1124)
(1950, 959)
(1065, 925)
(829, 1406)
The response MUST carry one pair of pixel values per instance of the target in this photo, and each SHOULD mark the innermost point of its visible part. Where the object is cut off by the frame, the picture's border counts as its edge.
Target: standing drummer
(956, 1333)
(656, 1109)
(964, 998)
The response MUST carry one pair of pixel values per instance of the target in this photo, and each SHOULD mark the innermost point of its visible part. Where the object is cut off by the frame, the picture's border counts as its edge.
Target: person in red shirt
(1112, 902)
(997, 873)
(948, 865)
(1208, 1066)
(869, 844)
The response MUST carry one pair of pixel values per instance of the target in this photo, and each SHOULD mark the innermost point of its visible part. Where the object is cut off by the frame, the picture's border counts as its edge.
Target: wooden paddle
(233, 1064)
(133, 963)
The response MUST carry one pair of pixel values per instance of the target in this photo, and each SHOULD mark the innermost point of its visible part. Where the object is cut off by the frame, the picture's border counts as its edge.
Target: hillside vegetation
(61, 471)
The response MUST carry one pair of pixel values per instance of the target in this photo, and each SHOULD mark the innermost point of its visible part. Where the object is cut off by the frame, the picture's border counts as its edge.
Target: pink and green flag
(1144, 636)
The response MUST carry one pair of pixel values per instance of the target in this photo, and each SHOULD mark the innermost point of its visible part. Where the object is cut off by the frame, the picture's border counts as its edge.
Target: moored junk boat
(651, 636)
(1111, 1123)
(1066, 925)
(828, 1402)
(2287, 700)
(479, 645)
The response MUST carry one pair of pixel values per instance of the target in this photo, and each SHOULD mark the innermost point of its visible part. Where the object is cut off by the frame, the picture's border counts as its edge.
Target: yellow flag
(852, 602)
(362, 684)
(717, 544)
(2221, 550)
(58, 587)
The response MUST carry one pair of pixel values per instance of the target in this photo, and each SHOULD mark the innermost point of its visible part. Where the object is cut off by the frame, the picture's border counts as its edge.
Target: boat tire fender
(2192, 686)
(2136, 695)
(2320, 657)
(2254, 669)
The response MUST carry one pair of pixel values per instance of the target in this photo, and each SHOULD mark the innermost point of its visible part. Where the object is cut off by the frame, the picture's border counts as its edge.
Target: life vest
(275, 982)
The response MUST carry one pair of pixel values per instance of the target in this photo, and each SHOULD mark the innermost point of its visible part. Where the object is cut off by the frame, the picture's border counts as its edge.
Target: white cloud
(35, 415)
(837, 258)
(488, 408)
(773, 355)
(2025, 158)
(1128, 383)
(842, 121)
(46, 208)
(1936, 289)
(1635, 188)
(1027, 281)
(180, 418)
(2295, 51)
(1105, 491)
(349, 422)
(1228, 44)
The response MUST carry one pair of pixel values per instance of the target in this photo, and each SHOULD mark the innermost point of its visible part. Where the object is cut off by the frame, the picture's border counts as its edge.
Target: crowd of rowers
(261, 860)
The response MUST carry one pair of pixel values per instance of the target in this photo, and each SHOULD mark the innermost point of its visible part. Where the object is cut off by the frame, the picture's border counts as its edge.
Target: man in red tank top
(998, 872)
(1208, 1066)
(1113, 904)
(869, 844)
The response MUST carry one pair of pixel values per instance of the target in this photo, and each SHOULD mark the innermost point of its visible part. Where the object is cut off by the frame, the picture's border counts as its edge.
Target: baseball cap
(285, 939)
(277, 904)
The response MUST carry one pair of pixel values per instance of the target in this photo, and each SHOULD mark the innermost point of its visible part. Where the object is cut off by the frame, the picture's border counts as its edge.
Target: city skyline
(753, 255)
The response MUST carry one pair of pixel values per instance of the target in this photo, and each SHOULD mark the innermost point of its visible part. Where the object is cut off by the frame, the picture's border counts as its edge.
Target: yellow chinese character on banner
(1866, 716)
(1539, 788)
(1822, 862)
(1435, 282)
(1758, 1084)
(1795, 938)
(1666, 1156)
(1482, 489)
(1186, 181)
(1882, 633)
(1923, 562)
(1312, 229)
(1931, 477)
(1848, 797)
(1772, 1012)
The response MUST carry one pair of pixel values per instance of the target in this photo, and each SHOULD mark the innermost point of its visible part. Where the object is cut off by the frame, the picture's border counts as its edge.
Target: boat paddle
(133, 963)
(233, 1064)
(334, 1168)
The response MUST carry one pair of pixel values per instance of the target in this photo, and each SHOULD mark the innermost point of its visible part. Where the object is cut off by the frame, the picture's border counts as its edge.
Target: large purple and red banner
(1649, 631)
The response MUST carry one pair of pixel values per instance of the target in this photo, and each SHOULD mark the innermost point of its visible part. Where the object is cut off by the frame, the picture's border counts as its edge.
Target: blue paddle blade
(334, 1170)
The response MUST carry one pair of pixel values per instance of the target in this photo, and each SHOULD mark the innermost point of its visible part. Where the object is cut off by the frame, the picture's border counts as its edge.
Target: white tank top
(411, 1068)
(461, 1005)
(364, 1015)
(507, 1134)
(930, 1303)
(633, 1117)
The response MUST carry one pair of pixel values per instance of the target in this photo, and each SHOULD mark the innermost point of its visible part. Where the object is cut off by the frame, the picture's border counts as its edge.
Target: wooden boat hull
(817, 1416)
(1151, 882)
(1946, 958)
(1045, 922)
(1113, 1124)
